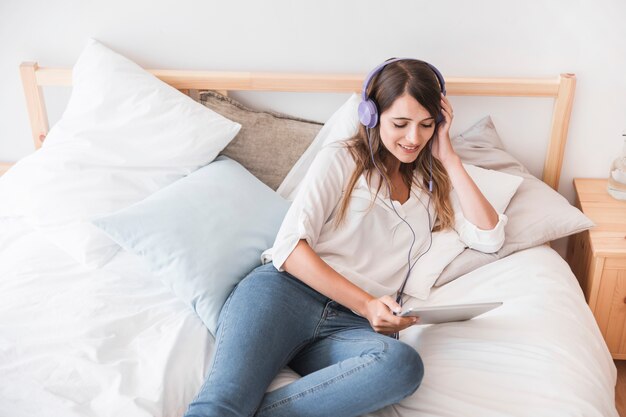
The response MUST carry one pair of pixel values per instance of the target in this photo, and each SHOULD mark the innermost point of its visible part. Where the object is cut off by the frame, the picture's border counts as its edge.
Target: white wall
(462, 38)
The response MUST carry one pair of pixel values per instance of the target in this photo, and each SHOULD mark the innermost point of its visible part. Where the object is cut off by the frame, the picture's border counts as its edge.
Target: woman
(325, 305)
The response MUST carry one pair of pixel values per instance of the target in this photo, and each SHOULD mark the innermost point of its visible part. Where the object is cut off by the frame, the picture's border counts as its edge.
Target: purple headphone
(368, 111)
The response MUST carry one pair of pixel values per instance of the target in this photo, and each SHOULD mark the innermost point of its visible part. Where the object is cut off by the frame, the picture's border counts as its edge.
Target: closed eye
(400, 126)
(427, 126)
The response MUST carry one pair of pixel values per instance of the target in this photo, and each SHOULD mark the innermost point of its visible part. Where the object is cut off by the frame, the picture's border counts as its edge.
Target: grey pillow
(268, 144)
(537, 214)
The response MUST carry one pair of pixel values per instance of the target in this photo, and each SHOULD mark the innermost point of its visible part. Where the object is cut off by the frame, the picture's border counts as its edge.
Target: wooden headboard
(560, 88)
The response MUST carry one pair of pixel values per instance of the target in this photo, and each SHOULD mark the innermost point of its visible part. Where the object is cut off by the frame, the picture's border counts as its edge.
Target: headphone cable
(400, 291)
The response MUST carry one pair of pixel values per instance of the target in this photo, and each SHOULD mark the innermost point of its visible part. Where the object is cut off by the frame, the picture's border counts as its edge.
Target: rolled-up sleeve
(320, 193)
(487, 241)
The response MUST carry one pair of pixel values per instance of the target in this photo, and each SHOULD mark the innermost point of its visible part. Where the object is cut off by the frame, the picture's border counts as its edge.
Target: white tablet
(444, 314)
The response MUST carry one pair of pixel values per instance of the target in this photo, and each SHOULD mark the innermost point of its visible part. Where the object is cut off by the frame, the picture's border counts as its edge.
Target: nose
(412, 135)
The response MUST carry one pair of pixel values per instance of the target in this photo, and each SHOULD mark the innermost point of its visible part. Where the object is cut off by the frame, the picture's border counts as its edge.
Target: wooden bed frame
(561, 88)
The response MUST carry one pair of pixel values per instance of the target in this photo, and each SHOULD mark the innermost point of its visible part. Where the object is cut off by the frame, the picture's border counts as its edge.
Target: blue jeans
(272, 319)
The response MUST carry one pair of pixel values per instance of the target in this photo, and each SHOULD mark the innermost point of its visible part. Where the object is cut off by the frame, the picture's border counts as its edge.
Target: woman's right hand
(381, 317)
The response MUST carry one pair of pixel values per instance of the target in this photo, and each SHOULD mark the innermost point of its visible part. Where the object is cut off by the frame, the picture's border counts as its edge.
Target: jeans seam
(321, 321)
(356, 339)
(328, 382)
(285, 363)
(297, 348)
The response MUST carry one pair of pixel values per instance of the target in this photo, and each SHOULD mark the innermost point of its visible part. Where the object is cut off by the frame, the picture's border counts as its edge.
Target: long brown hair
(415, 78)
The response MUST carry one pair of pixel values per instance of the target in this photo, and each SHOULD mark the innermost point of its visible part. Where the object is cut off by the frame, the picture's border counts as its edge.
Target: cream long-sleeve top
(371, 246)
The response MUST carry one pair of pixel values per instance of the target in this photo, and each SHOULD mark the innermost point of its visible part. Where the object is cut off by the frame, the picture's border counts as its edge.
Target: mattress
(115, 341)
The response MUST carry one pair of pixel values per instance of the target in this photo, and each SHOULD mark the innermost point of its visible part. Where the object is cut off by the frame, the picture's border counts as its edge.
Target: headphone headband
(368, 112)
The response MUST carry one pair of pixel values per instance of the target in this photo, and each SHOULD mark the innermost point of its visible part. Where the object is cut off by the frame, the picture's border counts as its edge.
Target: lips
(408, 149)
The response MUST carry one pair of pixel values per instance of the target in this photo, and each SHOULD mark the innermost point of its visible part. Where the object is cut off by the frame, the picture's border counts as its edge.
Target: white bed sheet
(108, 342)
(116, 342)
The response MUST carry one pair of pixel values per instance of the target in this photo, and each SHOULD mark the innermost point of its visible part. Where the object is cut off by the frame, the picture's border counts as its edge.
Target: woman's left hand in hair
(442, 146)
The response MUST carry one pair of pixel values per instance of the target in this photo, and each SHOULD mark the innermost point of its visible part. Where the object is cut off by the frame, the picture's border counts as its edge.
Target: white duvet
(116, 342)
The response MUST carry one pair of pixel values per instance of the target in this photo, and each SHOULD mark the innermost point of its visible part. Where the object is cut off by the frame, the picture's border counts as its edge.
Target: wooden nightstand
(598, 258)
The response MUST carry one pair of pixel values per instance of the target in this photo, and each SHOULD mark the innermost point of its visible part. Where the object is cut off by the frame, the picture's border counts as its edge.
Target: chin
(407, 159)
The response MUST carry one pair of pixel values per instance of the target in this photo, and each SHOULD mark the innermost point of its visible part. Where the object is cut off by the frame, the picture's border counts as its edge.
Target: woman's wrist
(451, 162)
(362, 308)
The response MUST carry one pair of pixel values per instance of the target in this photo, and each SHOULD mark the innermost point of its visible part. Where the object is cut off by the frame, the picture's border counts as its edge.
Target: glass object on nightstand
(617, 175)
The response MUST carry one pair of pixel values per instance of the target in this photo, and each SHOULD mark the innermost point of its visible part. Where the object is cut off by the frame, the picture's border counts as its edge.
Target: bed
(78, 339)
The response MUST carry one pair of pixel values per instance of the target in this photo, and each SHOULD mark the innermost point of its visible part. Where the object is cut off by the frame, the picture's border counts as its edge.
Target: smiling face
(405, 128)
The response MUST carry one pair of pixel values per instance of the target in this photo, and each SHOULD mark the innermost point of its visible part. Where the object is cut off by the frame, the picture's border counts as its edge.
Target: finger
(448, 114)
(445, 104)
(416, 320)
(411, 321)
(390, 329)
(391, 303)
(387, 321)
(384, 319)
(397, 321)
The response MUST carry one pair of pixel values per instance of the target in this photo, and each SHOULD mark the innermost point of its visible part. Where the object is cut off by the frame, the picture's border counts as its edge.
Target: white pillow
(343, 124)
(497, 187)
(124, 135)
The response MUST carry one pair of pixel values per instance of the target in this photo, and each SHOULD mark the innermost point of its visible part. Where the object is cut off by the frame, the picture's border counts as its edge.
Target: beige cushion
(537, 214)
(268, 144)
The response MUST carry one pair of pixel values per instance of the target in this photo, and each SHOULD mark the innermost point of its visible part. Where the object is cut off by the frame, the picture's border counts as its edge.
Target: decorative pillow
(343, 124)
(202, 234)
(269, 143)
(124, 135)
(497, 187)
(537, 214)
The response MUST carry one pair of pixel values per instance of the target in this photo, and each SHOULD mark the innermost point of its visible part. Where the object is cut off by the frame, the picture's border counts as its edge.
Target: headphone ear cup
(368, 113)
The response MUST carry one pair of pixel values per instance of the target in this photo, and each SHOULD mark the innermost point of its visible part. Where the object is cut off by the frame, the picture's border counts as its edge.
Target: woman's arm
(307, 266)
(476, 209)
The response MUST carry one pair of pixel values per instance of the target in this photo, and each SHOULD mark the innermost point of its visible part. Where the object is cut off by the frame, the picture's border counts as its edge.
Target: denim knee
(406, 368)
(260, 278)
